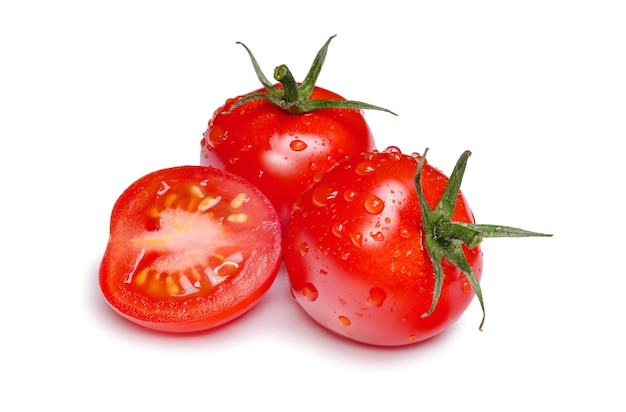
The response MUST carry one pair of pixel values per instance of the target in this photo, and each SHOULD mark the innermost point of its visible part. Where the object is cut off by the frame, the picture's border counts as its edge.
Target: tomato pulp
(190, 248)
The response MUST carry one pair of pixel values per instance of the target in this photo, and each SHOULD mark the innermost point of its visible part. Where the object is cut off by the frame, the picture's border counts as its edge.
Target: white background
(94, 95)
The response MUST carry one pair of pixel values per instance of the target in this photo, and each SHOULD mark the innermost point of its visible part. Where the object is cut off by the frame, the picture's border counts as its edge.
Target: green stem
(295, 98)
(283, 75)
(446, 232)
(444, 238)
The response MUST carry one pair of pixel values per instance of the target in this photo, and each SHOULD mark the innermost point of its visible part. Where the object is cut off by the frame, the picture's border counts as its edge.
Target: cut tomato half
(190, 248)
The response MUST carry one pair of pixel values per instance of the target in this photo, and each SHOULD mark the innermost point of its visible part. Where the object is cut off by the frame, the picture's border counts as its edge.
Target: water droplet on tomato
(377, 236)
(377, 296)
(373, 204)
(392, 149)
(404, 233)
(349, 195)
(217, 136)
(322, 195)
(466, 286)
(323, 272)
(394, 152)
(344, 321)
(338, 229)
(233, 160)
(364, 168)
(297, 145)
(357, 239)
(304, 248)
(310, 292)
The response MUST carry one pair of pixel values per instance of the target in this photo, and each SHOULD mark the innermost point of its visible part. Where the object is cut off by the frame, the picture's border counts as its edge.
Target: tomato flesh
(279, 152)
(355, 256)
(190, 248)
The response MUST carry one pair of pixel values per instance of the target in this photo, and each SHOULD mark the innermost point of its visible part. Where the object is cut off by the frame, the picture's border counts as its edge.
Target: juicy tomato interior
(190, 248)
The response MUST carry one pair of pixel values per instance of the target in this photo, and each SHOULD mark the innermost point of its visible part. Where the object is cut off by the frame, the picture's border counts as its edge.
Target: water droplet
(357, 238)
(404, 233)
(466, 287)
(364, 168)
(338, 229)
(373, 204)
(233, 160)
(304, 249)
(323, 272)
(322, 195)
(349, 195)
(297, 145)
(392, 149)
(217, 136)
(318, 176)
(344, 321)
(377, 296)
(377, 236)
(310, 292)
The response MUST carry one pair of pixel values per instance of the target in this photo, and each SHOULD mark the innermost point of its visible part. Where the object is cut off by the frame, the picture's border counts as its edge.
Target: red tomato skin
(360, 269)
(200, 312)
(279, 152)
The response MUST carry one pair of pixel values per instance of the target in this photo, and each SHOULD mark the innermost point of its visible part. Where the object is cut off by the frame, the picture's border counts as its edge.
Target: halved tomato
(190, 248)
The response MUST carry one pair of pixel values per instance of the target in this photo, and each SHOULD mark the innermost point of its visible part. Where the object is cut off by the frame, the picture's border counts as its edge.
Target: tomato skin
(355, 257)
(138, 240)
(279, 152)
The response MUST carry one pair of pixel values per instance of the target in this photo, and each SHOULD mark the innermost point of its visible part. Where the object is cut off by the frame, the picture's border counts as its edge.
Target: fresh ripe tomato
(280, 152)
(190, 248)
(280, 137)
(368, 259)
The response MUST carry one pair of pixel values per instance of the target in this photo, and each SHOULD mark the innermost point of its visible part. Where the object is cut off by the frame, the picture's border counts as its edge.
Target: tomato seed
(142, 276)
(196, 191)
(171, 287)
(208, 202)
(238, 200)
(237, 217)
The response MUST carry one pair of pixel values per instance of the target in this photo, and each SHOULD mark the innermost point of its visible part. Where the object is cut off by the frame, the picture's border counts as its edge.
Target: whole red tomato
(190, 248)
(280, 137)
(386, 253)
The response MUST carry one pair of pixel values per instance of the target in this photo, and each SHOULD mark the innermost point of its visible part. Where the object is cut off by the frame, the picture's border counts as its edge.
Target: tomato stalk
(445, 239)
(295, 98)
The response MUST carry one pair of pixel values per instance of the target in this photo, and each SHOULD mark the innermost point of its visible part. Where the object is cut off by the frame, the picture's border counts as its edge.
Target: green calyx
(445, 239)
(294, 98)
